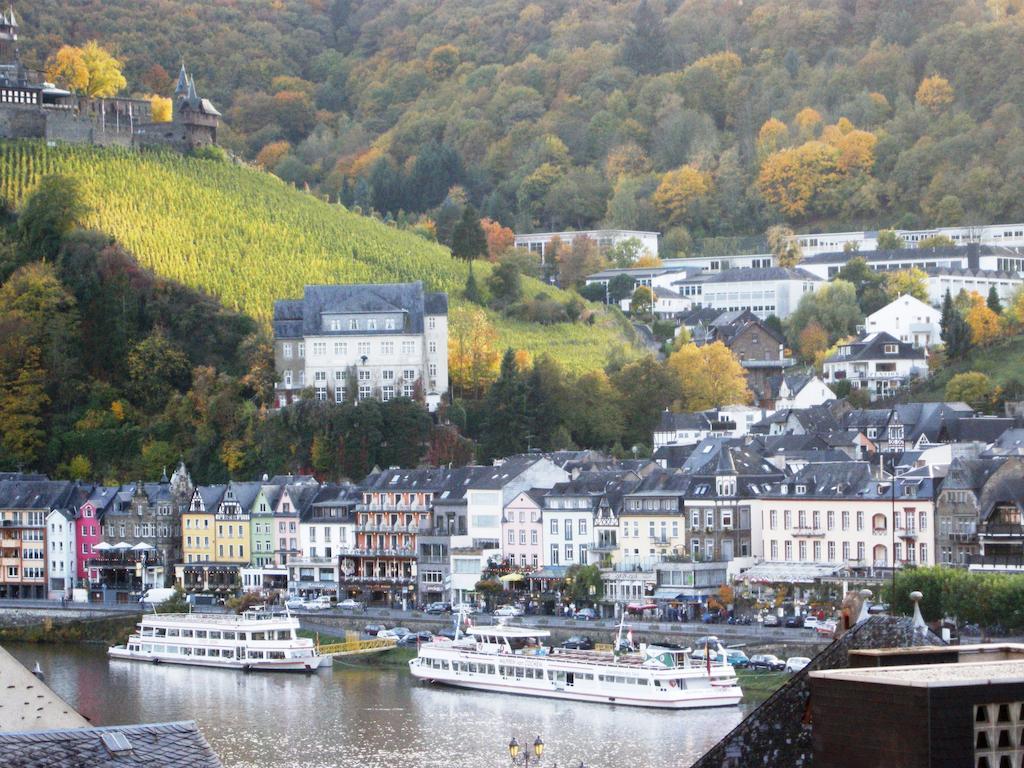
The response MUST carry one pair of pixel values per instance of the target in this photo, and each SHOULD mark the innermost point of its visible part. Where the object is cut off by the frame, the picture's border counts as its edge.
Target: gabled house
(25, 506)
(909, 320)
(89, 530)
(522, 529)
(877, 362)
(326, 527)
(797, 390)
(60, 549)
(1001, 520)
(957, 508)
(652, 526)
(882, 426)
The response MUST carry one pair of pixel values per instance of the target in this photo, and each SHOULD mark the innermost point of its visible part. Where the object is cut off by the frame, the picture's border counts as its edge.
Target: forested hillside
(248, 239)
(693, 117)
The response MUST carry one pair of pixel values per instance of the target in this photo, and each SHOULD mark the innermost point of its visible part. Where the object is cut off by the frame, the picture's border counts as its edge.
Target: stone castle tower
(9, 59)
(197, 117)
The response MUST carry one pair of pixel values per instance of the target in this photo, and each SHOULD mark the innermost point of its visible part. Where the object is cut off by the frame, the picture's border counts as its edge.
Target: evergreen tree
(546, 399)
(993, 301)
(468, 239)
(946, 318)
(506, 427)
(644, 46)
(472, 292)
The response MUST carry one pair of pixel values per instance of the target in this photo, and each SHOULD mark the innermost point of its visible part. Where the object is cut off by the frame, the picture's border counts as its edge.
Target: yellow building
(651, 527)
(232, 519)
(216, 533)
(198, 525)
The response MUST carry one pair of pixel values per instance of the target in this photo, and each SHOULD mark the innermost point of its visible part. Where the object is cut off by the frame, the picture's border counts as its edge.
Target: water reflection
(370, 717)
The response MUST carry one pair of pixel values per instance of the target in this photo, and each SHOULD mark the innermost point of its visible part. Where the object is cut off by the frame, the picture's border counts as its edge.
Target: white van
(157, 595)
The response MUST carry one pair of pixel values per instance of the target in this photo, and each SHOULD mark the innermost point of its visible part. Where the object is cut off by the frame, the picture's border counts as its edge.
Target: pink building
(522, 530)
(89, 529)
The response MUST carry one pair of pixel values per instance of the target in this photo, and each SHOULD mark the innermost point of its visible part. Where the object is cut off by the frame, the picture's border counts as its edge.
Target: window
(408, 347)
(554, 555)
(567, 529)
(286, 351)
(389, 323)
(533, 536)
(319, 348)
(846, 550)
(846, 520)
(860, 520)
(364, 391)
(371, 324)
(409, 374)
(431, 323)
(568, 553)
(387, 393)
(340, 348)
(775, 550)
(511, 536)
(387, 375)
(339, 394)
(788, 548)
(522, 536)
(432, 347)
(817, 551)
(363, 348)
(583, 527)
(831, 551)
(786, 519)
(860, 551)
(432, 370)
(554, 526)
(287, 378)
(364, 374)
(802, 550)
(302, 349)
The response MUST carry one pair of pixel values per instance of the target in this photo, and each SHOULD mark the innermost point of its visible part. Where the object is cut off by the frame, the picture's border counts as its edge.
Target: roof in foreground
(161, 744)
(933, 675)
(29, 703)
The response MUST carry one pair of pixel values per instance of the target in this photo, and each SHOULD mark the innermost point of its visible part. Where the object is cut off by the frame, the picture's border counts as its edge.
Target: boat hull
(714, 696)
(310, 664)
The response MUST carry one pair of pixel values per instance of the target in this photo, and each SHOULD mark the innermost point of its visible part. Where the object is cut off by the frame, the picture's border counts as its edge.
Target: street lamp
(522, 756)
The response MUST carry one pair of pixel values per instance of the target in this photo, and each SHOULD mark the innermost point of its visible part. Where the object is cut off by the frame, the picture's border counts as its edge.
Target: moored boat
(514, 660)
(253, 641)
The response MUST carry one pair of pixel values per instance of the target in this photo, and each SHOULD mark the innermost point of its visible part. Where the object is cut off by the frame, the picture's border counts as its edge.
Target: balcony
(378, 579)
(907, 533)
(1008, 562)
(1002, 530)
(809, 531)
(373, 552)
(394, 507)
(603, 546)
(312, 560)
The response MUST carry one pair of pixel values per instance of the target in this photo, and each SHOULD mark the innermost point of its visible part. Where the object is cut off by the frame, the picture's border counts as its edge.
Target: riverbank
(110, 630)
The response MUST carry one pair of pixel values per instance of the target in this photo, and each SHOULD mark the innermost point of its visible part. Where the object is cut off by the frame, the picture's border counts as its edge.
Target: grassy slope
(248, 238)
(1002, 362)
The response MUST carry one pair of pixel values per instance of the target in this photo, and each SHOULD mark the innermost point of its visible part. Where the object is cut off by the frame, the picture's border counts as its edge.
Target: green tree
(888, 240)
(645, 388)
(506, 423)
(583, 584)
(472, 290)
(909, 282)
(834, 307)
(156, 368)
(80, 468)
(468, 239)
(50, 214)
(620, 287)
(993, 301)
(641, 306)
(23, 402)
(547, 400)
(974, 388)
(505, 284)
(592, 411)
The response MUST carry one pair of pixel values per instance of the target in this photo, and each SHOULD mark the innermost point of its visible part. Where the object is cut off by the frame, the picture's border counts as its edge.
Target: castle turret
(181, 89)
(8, 40)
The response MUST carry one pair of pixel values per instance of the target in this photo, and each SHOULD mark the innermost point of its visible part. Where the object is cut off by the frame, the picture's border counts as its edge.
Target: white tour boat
(255, 640)
(514, 660)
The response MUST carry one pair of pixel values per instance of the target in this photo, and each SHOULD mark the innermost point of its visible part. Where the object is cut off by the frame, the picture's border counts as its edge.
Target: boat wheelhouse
(256, 640)
(514, 660)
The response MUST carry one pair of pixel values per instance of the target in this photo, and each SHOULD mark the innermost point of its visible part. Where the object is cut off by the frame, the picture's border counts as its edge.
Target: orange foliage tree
(499, 238)
(983, 322)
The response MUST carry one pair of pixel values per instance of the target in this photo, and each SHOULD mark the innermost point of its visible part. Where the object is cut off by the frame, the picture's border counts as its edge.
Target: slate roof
(35, 494)
(674, 456)
(499, 476)
(180, 745)
(970, 474)
(211, 496)
(931, 419)
(1010, 443)
(245, 494)
(672, 422)
(869, 347)
(425, 480)
(752, 275)
(994, 274)
(595, 483)
(298, 318)
(699, 316)
(302, 496)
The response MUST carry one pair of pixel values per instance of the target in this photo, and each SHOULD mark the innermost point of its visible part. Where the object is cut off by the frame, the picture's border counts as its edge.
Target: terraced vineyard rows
(248, 238)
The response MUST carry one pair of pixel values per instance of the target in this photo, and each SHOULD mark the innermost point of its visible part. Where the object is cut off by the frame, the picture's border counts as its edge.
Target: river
(370, 716)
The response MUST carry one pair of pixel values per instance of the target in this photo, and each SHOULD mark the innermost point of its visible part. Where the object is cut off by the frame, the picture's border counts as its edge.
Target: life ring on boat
(672, 683)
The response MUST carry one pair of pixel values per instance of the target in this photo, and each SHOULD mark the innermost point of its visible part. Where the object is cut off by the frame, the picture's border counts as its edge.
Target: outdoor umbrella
(122, 545)
(142, 547)
(102, 547)
(511, 577)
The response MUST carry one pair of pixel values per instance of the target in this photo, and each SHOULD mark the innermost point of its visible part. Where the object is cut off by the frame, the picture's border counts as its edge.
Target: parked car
(466, 608)
(711, 617)
(295, 602)
(509, 611)
(317, 603)
(398, 632)
(876, 608)
(711, 641)
(699, 654)
(373, 630)
(810, 621)
(437, 608)
(448, 632)
(794, 622)
(767, 661)
(351, 605)
(736, 657)
(826, 628)
(771, 620)
(413, 639)
(586, 614)
(796, 663)
(579, 643)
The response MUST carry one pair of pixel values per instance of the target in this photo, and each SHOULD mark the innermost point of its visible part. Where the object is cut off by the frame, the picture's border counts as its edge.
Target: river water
(368, 716)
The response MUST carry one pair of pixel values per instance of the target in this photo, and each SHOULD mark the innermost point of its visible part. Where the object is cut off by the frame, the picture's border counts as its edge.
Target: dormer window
(844, 351)
(801, 489)
(389, 324)
(371, 324)
(890, 349)
(353, 324)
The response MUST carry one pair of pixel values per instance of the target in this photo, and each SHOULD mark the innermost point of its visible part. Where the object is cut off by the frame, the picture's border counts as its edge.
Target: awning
(789, 573)
(550, 572)
(669, 593)
(511, 577)
(122, 545)
(142, 546)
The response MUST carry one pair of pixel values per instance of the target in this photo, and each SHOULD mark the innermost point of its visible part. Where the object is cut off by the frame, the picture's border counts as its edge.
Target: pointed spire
(193, 97)
(726, 466)
(182, 87)
(10, 16)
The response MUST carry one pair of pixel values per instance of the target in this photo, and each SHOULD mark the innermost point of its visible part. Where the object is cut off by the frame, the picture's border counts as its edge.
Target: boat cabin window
(200, 633)
(172, 632)
(257, 635)
(199, 651)
(159, 632)
(518, 643)
(215, 634)
(255, 654)
(285, 634)
(186, 633)
(229, 635)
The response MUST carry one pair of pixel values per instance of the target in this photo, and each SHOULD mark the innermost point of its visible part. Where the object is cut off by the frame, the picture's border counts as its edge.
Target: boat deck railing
(219, 618)
(606, 659)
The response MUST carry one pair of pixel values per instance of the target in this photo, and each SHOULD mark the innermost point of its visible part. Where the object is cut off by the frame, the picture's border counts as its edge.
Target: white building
(539, 242)
(763, 291)
(653, 277)
(353, 342)
(721, 263)
(802, 391)
(837, 513)
(60, 553)
(979, 281)
(909, 320)
(993, 234)
(877, 362)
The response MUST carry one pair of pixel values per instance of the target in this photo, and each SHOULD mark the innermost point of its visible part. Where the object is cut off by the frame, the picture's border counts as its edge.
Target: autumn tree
(645, 388)
(808, 120)
(934, 93)
(442, 61)
(812, 340)
(161, 107)
(783, 244)
(773, 136)
(55, 208)
(888, 240)
(581, 258)
(907, 282)
(472, 351)
(23, 404)
(799, 181)
(834, 307)
(710, 376)
(156, 368)
(89, 70)
(983, 322)
(499, 238)
(681, 191)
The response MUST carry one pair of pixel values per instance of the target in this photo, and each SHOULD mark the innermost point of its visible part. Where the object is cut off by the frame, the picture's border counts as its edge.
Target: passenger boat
(514, 660)
(253, 641)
